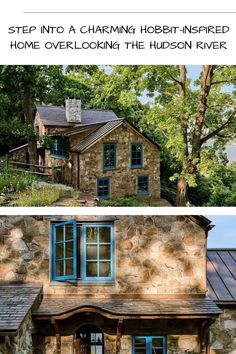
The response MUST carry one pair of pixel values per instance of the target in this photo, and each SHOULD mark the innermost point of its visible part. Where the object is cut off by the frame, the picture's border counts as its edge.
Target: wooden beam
(119, 335)
(58, 336)
(204, 336)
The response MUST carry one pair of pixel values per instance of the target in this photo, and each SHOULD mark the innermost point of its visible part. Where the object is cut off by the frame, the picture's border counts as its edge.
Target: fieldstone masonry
(154, 255)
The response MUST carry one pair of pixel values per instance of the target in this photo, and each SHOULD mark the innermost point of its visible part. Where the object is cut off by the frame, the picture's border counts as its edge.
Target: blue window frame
(82, 252)
(142, 184)
(60, 147)
(103, 187)
(149, 345)
(136, 155)
(64, 250)
(109, 156)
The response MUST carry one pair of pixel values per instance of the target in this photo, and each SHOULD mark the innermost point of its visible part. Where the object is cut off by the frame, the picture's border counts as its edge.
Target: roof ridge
(82, 108)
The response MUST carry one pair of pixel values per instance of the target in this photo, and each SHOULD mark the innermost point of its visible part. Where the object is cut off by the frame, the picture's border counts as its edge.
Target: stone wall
(20, 155)
(154, 255)
(223, 333)
(123, 180)
(22, 342)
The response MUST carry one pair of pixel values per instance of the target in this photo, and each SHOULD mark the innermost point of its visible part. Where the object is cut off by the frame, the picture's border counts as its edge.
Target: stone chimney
(73, 110)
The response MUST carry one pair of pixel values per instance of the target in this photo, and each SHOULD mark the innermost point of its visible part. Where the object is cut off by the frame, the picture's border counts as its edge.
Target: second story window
(136, 155)
(60, 147)
(83, 252)
(109, 156)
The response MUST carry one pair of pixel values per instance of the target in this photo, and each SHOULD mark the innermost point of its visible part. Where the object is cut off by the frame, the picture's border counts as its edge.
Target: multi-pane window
(109, 156)
(142, 185)
(103, 187)
(59, 147)
(136, 155)
(82, 251)
(149, 345)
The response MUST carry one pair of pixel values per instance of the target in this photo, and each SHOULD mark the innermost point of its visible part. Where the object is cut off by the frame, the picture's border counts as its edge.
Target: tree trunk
(182, 192)
(29, 120)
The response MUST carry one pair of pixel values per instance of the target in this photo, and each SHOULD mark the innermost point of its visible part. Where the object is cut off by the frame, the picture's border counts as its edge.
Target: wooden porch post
(204, 336)
(58, 336)
(119, 335)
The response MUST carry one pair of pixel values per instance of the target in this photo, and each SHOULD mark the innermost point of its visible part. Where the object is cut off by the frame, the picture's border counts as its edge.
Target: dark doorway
(89, 340)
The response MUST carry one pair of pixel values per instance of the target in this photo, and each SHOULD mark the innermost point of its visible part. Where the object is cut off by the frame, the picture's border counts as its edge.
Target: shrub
(14, 180)
(125, 201)
(38, 197)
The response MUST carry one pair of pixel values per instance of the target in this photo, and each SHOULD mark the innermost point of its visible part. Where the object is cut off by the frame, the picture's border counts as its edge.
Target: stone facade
(223, 333)
(123, 179)
(22, 343)
(154, 255)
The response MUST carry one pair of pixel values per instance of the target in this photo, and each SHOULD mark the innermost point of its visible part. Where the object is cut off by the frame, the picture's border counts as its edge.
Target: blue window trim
(109, 187)
(84, 260)
(136, 165)
(143, 176)
(82, 256)
(107, 168)
(148, 340)
(54, 227)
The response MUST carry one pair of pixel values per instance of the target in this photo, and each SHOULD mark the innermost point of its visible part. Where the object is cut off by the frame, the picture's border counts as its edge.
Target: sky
(223, 235)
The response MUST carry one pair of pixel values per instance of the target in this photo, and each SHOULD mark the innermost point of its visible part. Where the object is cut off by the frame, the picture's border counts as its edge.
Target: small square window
(143, 185)
(149, 345)
(103, 187)
(109, 156)
(136, 155)
(60, 147)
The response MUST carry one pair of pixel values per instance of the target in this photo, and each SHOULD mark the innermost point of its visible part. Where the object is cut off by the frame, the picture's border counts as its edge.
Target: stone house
(95, 151)
(106, 285)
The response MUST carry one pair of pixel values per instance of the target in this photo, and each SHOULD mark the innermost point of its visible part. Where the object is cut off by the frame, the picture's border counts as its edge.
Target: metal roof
(56, 116)
(221, 275)
(96, 135)
(16, 300)
(64, 307)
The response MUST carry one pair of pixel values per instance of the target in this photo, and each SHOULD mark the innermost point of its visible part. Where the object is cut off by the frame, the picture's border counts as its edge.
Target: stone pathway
(85, 199)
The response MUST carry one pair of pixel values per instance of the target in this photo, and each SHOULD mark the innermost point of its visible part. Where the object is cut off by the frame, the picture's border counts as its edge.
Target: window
(59, 147)
(89, 339)
(149, 345)
(82, 252)
(109, 156)
(136, 155)
(143, 185)
(103, 187)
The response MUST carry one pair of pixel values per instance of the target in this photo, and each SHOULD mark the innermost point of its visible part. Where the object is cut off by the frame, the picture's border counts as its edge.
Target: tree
(191, 115)
(23, 86)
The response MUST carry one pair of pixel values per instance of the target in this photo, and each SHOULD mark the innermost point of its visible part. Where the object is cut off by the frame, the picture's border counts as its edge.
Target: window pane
(109, 155)
(59, 234)
(142, 184)
(69, 267)
(103, 187)
(104, 269)
(105, 234)
(59, 268)
(99, 337)
(157, 342)
(59, 250)
(68, 232)
(140, 342)
(91, 269)
(99, 350)
(69, 249)
(157, 351)
(91, 252)
(104, 252)
(91, 234)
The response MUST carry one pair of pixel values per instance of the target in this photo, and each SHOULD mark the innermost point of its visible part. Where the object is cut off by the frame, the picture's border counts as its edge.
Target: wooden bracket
(119, 335)
(58, 336)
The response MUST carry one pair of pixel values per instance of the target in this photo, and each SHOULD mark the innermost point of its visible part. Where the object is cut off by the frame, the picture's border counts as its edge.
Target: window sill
(59, 157)
(135, 167)
(81, 282)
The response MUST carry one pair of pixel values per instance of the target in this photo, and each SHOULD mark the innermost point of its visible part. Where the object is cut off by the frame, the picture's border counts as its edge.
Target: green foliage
(38, 197)
(125, 201)
(13, 180)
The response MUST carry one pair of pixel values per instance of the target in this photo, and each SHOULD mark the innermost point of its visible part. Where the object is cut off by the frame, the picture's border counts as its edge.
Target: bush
(38, 197)
(12, 180)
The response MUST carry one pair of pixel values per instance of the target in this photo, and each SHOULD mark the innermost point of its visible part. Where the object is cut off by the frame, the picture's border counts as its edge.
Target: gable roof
(221, 275)
(56, 116)
(16, 300)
